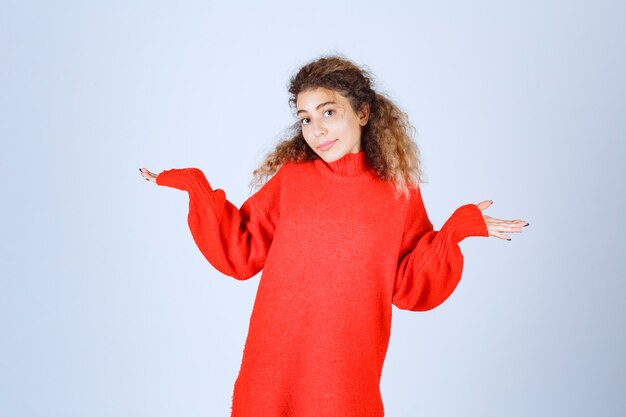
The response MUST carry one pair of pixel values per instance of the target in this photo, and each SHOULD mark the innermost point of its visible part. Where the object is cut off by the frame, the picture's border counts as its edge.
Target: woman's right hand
(148, 175)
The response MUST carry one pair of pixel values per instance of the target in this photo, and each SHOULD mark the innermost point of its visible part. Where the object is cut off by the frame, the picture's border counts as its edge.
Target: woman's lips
(326, 145)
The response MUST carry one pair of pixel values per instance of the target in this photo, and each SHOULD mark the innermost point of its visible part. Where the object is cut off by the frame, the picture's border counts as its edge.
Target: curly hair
(386, 139)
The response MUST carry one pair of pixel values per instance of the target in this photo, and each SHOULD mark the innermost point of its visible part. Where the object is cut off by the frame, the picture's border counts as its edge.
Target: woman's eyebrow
(318, 106)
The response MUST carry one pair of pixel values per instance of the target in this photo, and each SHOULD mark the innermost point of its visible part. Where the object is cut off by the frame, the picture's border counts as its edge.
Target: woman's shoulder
(293, 168)
(286, 172)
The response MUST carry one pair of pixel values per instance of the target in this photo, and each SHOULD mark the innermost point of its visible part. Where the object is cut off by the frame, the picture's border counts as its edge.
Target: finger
(146, 173)
(148, 176)
(501, 235)
(515, 223)
(484, 204)
(508, 228)
(503, 226)
(498, 223)
(508, 222)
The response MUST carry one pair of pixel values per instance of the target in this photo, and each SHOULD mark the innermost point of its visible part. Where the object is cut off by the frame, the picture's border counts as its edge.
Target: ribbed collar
(349, 165)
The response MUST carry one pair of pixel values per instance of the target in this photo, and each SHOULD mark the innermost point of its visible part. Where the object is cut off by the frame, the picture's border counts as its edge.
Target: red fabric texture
(337, 249)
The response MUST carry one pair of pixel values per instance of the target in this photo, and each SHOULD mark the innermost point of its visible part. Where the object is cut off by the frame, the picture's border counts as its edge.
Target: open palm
(498, 227)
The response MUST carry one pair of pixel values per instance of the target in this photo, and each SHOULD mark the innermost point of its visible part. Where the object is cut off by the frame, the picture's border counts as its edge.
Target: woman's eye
(330, 111)
(304, 121)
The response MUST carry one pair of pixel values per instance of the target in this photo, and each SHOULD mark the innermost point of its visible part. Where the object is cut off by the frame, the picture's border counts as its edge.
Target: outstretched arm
(431, 262)
(234, 240)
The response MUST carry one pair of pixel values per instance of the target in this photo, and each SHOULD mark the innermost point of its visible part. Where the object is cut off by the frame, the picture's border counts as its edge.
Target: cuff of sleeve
(186, 179)
(466, 221)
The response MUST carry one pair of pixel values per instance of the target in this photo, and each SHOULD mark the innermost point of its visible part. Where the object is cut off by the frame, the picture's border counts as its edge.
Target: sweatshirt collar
(351, 164)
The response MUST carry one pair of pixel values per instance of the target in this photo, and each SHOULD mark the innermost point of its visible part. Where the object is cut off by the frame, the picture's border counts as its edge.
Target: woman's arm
(430, 262)
(234, 240)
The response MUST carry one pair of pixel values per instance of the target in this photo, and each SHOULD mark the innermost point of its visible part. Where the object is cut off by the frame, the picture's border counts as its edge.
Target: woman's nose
(319, 129)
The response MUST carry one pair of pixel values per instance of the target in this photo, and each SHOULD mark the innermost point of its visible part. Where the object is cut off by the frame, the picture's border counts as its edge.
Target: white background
(107, 308)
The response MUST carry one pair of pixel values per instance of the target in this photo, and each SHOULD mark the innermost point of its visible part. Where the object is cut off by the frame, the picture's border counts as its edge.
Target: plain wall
(107, 308)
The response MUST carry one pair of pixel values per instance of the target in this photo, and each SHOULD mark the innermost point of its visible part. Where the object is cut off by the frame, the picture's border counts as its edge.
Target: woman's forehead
(316, 96)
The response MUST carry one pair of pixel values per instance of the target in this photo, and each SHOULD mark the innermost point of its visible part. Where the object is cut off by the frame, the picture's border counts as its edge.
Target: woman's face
(329, 125)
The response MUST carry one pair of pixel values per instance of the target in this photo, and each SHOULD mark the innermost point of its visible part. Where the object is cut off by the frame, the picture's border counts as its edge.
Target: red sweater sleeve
(234, 240)
(431, 262)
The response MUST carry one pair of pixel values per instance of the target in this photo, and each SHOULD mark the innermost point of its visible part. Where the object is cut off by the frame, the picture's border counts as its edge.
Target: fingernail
(146, 179)
(491, 201)
(527, 224)
(509, 239)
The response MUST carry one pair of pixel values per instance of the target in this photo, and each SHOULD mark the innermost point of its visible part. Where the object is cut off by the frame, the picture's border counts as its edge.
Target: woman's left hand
(498, 227)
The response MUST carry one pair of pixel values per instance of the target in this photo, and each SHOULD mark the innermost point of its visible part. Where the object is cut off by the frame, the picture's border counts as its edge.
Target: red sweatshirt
(337, 250)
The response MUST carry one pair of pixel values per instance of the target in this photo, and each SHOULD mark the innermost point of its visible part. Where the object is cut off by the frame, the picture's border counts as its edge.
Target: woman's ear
(364, 114)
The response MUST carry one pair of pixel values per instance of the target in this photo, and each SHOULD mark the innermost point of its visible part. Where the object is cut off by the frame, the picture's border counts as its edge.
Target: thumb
(484, 204)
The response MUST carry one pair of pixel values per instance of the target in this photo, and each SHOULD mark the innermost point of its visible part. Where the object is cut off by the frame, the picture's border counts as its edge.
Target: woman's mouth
(326, 145)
